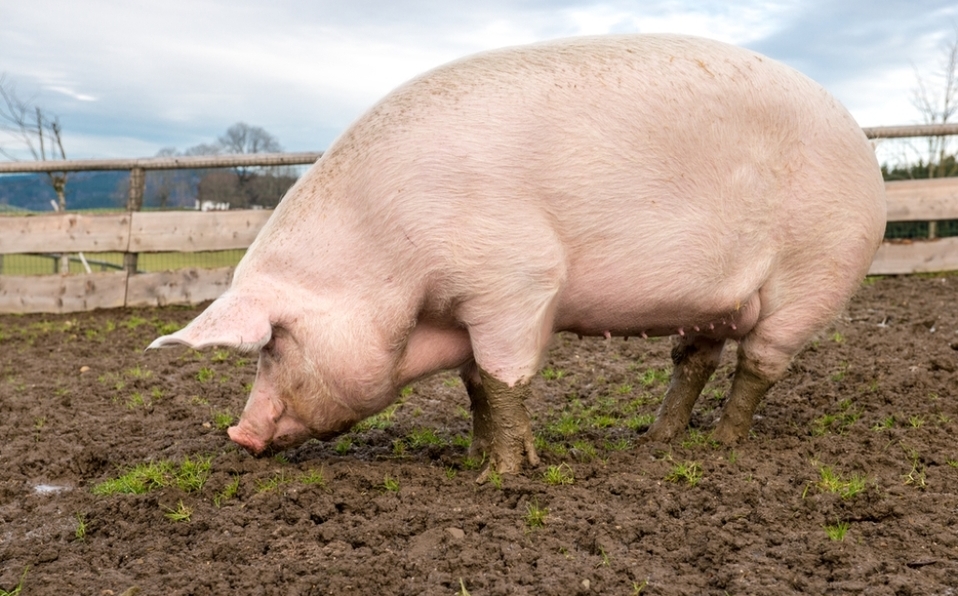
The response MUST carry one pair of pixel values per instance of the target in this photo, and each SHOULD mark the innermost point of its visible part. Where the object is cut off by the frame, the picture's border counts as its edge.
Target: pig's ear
(231, 321)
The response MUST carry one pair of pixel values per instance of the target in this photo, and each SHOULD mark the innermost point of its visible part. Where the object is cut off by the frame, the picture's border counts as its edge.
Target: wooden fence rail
(134, 232)
(189, 231)
(138, 232)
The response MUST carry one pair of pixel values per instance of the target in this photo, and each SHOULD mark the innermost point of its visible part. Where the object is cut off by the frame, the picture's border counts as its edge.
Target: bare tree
(42, 134)
(243, 138)
(936, 98)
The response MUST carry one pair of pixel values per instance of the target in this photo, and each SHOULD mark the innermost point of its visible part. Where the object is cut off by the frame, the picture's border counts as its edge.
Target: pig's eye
(270, 349)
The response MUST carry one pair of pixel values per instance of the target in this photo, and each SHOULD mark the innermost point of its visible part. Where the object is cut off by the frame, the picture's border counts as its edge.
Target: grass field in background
(162, 261)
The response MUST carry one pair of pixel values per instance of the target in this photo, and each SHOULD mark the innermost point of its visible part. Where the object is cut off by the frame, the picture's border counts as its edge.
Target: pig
(636, 185)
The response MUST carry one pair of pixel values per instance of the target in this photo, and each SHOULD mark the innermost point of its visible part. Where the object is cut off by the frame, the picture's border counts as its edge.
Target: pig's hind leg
(766, 351)
(749, 385)
(695, 359)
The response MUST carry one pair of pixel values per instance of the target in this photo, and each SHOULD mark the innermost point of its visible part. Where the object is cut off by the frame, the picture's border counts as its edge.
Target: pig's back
(678, 171)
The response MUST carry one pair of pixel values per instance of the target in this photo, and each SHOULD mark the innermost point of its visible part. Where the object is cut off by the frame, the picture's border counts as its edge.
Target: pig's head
(295, 396)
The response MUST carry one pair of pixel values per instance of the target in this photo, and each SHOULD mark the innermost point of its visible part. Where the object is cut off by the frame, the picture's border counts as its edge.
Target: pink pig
(622, 185)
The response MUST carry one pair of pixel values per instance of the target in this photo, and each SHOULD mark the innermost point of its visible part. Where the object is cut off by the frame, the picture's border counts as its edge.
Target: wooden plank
(61, 293)
(910, 130)
(192, 231)
(64, 232)
(178, 162)
(183, 286)
(922, 200)
(916, 257)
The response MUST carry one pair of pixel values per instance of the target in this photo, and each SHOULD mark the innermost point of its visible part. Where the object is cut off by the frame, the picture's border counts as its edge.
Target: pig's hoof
(659, 432)
(729, 434)
(509, 460)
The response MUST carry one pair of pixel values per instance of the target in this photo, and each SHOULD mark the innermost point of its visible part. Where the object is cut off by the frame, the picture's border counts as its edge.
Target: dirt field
(848, 483)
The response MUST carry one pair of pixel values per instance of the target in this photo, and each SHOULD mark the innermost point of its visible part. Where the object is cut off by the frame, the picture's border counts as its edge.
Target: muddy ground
(859, 436)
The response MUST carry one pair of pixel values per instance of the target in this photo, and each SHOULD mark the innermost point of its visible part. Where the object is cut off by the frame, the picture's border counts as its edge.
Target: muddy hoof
(509, 461)
(660, 432)
(728, 434)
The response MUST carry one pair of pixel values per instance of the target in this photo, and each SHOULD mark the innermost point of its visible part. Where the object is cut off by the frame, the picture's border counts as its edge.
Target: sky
(127, 78)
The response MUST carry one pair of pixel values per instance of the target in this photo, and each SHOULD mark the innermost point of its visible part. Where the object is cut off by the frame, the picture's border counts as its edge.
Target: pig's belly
(649, 307)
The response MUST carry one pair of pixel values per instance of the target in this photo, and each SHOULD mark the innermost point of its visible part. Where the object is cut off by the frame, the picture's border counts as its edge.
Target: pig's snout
(245, 439)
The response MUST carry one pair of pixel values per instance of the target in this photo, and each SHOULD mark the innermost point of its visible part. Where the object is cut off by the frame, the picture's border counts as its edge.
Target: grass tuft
(228, 492)
(189, 476)
(17, 588)
(181, 513)
(832, 482)
(535, 515)
(222, 419)
(838, 531)
(390, 484)
(559, 475)
(689, 472)
(313, 477)
(81, 527)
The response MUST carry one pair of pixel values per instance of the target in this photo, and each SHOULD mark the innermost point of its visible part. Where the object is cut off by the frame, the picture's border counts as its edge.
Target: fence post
(134, 202)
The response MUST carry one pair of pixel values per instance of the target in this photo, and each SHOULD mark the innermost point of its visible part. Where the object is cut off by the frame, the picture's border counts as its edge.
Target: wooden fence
(135, 232)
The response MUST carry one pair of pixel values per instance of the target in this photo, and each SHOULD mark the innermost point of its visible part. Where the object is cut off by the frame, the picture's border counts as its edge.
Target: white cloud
(145, 75)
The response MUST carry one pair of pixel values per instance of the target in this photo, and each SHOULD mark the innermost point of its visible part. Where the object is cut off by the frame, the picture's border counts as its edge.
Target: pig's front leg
(695, 359)
(501, 429)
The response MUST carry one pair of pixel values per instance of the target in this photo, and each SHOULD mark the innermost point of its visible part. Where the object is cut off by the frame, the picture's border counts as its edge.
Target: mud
(860, 434)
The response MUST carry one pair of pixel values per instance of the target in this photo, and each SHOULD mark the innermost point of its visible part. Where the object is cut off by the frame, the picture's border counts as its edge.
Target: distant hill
(165, 189)
(84, 190)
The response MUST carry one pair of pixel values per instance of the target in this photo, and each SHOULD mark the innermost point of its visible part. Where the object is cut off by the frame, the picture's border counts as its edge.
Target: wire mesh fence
(194, 183)
(85, 262)
(921, 230)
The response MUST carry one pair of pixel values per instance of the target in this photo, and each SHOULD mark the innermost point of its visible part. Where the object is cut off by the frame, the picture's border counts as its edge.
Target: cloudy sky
(127, 78)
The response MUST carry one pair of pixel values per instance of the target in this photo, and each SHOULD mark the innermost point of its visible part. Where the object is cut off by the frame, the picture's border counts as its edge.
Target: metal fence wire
(195, 183)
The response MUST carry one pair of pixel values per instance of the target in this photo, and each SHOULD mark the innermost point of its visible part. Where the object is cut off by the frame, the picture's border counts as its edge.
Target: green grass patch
(273, 482)
(584, 450)
(79, 532)
(884, 424)
(382, 420)
(838, 531)
(229, 492)
(689, 472)
(697, 438)
(313, 477)
(640, 421)
(838, 422)
(552, 374)
(655, 376)
(535, 516)
(472, 463)
(180, 514)
(831, 481)
(559, 475)
(568, 424)
(189, 476)
(222, 419)
(424, 437)
(390, 484)
(343, 445)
